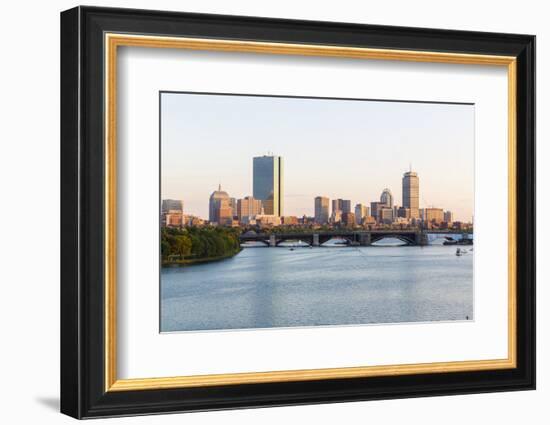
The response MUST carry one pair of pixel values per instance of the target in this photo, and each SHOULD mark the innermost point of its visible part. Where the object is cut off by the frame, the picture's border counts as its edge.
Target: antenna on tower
(410, 168)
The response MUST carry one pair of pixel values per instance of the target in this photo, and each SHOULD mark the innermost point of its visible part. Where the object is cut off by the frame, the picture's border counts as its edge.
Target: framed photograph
(261, 212)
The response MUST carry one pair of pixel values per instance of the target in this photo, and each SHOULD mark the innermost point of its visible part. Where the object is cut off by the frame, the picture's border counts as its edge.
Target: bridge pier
(316, 240)
(365, 239)
(421, 238)
(272, 241)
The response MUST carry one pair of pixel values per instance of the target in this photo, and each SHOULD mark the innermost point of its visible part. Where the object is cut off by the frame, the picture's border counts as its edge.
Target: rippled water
(277, 287)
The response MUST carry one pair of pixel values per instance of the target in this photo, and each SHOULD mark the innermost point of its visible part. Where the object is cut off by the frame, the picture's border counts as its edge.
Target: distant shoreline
(193, 261)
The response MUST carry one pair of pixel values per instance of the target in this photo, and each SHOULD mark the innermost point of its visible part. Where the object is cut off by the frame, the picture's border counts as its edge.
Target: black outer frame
(82, 206)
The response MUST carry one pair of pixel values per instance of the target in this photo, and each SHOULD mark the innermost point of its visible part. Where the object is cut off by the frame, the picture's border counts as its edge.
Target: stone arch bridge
(353, 238)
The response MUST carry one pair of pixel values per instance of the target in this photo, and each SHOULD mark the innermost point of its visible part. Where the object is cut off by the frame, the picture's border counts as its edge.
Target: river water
(278, 287)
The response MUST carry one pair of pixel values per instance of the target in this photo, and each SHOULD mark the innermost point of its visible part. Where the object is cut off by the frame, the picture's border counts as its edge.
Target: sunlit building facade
(321, 209)
(385, 215)
(374, 209)
(348, 218)
(342, 205)
(248, 207)
(411, 193)
(361, 211)
(433, 215)
(267, 183)
(220, 211)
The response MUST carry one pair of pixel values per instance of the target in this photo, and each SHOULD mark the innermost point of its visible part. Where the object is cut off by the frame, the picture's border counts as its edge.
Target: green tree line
(196, 243)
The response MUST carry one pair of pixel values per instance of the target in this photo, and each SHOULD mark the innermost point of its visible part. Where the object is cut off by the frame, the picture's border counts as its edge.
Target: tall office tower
(321, 209)
(448, 216)
(171, 205)
(342, 205)
(360, 212)
(220, 210)
(336, 205)
(375, 208)
(411, 193)
(233, 205)
(387, 198)
(248, 207)
(267, 183)
(346, 206)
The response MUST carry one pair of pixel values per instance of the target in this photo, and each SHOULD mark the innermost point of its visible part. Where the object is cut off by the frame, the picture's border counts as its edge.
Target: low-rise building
(173, 218)
(267, 220)
(290, 220)
(433, 215)
(403, 212)
(369, 220)
(385, 215)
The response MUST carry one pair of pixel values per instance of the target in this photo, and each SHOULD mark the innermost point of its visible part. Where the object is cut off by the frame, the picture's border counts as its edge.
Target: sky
(349, 149)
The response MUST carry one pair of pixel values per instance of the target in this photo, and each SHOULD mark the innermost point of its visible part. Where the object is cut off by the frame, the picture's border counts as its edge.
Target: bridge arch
(406, 239)
(305, 239)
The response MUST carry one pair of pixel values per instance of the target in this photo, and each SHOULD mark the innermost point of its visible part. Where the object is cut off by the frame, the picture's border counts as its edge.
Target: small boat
(291, 249)
(460, 252)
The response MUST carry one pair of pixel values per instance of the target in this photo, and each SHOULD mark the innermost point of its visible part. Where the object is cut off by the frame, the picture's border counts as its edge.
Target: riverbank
(193, 261)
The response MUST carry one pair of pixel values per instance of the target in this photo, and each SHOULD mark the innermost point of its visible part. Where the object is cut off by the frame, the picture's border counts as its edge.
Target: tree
(182, 245)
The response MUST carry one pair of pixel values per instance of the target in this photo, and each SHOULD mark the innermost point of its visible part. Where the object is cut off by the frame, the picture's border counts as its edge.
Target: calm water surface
(276, 287)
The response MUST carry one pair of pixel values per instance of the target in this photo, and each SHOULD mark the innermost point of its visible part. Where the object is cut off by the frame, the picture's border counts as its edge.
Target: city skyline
(309, 170)
(225, 210)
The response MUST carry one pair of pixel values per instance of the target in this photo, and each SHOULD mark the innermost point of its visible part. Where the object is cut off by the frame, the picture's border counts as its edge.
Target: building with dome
(387, 198)
(220, 210)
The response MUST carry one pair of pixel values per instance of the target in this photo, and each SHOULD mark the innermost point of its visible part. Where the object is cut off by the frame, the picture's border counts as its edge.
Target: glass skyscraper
(321, 210)
(411, 193)
(268, 183)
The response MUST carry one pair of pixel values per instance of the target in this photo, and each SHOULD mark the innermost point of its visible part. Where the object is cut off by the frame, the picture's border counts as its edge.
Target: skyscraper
(411, 192)
(248, 207)
(360, 212)
(220, 210)
(342, 205)
(268, 183)
(321, 209)
(386, 198)
(375, 208)
(233, 205)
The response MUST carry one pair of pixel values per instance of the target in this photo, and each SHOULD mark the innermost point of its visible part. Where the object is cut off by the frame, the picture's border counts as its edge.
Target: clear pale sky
(336, 148)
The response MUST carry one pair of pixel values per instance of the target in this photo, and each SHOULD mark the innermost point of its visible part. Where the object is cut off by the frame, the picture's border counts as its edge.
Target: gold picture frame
(114, 41)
